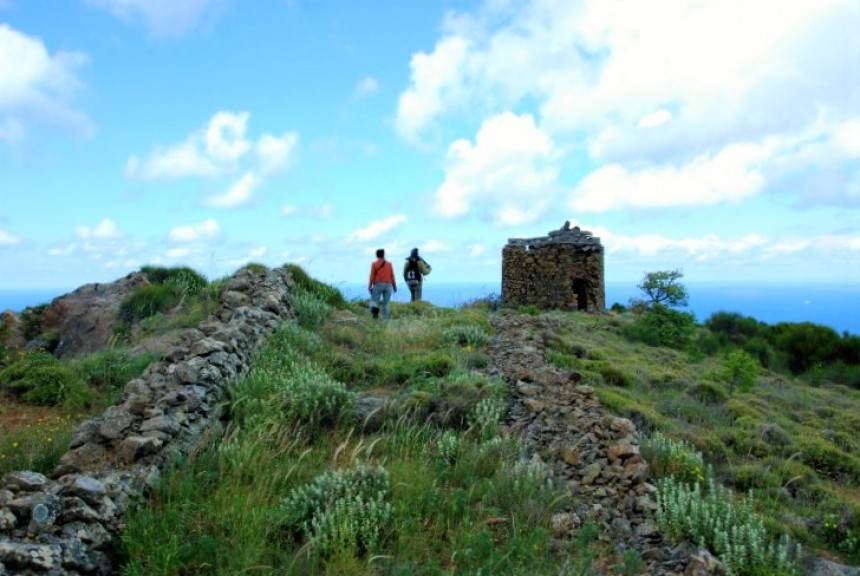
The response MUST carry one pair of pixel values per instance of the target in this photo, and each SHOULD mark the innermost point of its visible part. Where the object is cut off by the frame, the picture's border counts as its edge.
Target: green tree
(663, 287)
(740, 370)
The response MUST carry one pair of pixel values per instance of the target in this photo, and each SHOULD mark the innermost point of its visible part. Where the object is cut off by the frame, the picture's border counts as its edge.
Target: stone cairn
(65, 524)
(560, 271)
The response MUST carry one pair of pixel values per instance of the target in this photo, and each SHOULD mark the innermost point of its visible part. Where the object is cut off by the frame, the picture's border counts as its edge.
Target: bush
(740, 370)
(662, 326)
(677, 458)
(148, 300)
(111, 368)
(39, 378)
(185, 279)
(736, 535)
(466, 335)
(328, 294)
(310, 310)
(344, 511)
(31, 321)
(806, 345)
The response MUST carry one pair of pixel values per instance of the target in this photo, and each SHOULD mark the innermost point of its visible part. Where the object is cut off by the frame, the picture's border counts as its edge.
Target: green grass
(459, 499)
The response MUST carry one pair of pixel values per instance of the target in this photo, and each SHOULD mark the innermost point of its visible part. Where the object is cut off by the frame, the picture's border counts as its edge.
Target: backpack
(412, 272)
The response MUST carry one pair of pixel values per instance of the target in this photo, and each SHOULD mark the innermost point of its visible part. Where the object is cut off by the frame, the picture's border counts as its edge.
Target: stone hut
(562, 271)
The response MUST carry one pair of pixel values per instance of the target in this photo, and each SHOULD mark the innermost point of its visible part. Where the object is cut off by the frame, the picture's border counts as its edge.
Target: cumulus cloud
(276, 153)
(213, 150)
(510, 169)
(7, 239)
(66, 250)
(105, 229)
(162, 17)
(218, 150)
(729, 176)
(366, 87)
(320, 211)
(377, 228)
(37, 86)
(194, 232)
(239, 193)
(434, 84)
(648, 87)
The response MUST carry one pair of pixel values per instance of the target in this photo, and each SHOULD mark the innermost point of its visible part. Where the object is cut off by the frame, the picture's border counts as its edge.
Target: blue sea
(834, 305)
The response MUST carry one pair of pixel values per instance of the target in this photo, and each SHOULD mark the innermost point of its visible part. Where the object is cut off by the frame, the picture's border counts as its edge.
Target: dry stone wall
(561, 271)
(64, 524)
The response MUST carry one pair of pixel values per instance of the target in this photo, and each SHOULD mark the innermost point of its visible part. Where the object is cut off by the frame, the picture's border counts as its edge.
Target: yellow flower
(14, 444)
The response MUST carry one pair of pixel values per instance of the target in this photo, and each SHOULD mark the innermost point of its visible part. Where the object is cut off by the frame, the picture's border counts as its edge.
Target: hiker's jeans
(380, 296)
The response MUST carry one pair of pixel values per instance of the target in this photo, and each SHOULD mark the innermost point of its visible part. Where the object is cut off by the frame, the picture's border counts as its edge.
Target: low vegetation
(751, 432)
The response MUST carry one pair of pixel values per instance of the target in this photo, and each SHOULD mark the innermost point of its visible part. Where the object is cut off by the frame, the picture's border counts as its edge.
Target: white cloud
(320, 211)
(434, 82)
(218, 150)
(649, 89)
(509, 169)
(7, 239)
(105, 229)
(177, 253)
(239, 193)
(225, 136)
(366, 87)
(276, 153)
(377, 228)
(66, 250)
(476, 250)
(37, 86)
(193, 232)
(258, 252)
(729, 176)
(213, 150)
(162, 17)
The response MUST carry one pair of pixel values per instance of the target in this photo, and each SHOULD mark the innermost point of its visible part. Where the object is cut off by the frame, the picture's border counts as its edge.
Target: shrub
(148, 300)
(111, 368)
(707, 393)
(733, 531)
(677, 458)
(740, 370)
(39, 378)
(311, 311)
(309, 395)
(466, 335)
(31, 321)
(344, 511)
(662, 326)
(328, 294)
(806, 344)
(185, 279)
(485, 417)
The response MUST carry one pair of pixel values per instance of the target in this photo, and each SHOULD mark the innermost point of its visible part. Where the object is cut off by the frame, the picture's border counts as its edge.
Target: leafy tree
(740, 370)
(663, 287)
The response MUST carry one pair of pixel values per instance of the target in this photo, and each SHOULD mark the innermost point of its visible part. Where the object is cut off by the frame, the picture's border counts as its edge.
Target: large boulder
(85, 318)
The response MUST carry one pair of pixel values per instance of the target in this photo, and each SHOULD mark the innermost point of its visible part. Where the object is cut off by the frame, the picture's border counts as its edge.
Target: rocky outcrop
(64, 524)
(85, 319)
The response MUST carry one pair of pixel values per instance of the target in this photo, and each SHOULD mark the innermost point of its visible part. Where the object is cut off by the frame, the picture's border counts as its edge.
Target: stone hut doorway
(580, 290)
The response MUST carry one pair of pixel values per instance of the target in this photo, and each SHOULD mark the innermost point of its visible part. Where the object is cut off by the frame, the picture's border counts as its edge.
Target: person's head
(414, 253)
(380, 253)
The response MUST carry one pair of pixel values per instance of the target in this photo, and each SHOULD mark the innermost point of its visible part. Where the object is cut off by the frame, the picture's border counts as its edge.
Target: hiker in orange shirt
(381, 284)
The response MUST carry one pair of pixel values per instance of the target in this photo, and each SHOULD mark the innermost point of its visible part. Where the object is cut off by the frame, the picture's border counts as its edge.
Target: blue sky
(719, 137)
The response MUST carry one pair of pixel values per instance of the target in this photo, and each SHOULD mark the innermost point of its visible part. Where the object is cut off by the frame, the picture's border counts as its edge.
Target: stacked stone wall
(561, 272)
(65, 524)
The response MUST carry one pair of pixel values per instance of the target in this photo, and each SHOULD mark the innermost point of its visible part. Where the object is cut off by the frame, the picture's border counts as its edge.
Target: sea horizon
(771, 302)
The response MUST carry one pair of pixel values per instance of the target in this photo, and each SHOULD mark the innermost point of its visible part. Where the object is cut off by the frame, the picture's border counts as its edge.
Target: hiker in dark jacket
(414, 271)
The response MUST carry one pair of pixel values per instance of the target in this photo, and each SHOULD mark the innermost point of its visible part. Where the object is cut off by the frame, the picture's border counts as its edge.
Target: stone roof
(582, 239)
